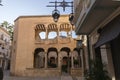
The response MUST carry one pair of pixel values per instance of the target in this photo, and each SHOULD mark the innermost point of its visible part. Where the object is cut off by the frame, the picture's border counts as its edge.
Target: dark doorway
(115, 48)
(64, 64)
(52, 63)
(98, 54)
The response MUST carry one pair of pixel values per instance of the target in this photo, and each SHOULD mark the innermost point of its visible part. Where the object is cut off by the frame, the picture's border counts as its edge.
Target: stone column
(46, 36)
(0, 62)
(72, 60)
(82, 61)
(71, 31)
(86, 58)
(59, 60)
(45, 59)
(69, 63)
(58, 34)
(5, 64)
(107, 60)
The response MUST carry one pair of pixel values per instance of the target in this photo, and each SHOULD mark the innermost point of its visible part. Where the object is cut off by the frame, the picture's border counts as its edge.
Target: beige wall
(24, 42)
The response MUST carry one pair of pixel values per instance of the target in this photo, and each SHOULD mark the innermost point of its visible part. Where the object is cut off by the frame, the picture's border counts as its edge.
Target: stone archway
(76, 59)
(52, 55)
(39, 58)
(66, 59)
(52, 59)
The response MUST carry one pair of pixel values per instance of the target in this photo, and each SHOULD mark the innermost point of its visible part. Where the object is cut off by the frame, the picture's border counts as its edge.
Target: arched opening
(52, 62)
(77, 58)
(64, 64)
(66, 59)
(52, 57)
(39, 58)
(65, 29)
(40, 32)
(66, 49)
(52, 31)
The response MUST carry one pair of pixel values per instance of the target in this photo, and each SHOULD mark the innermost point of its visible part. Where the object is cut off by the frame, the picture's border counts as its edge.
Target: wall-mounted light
(71, 17)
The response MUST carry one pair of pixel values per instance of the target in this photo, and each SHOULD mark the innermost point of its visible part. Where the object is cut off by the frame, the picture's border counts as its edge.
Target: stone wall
(30, 72)
(76, 72)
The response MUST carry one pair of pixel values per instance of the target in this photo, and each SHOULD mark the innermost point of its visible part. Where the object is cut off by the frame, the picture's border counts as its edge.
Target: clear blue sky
(12, 9)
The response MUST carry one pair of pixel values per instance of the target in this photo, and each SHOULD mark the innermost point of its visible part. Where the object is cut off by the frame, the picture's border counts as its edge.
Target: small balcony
(90, 13)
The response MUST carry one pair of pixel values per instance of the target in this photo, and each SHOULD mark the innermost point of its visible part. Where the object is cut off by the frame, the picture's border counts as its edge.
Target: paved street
(63, 77)
(7, 77)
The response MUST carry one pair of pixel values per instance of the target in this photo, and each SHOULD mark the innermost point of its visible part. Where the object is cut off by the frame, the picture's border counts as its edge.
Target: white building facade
(5, 45)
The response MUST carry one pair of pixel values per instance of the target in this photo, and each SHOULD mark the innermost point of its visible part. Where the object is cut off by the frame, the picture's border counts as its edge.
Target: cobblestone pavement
(8, 77)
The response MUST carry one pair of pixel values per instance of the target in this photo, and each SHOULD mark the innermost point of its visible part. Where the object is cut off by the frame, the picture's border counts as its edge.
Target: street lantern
(71, 16)
(55, 15)
(79, 48)
(79, 44)
(63, 4)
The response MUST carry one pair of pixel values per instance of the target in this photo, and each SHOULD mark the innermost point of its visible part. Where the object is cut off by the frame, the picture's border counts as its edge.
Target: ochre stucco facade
(34, 56)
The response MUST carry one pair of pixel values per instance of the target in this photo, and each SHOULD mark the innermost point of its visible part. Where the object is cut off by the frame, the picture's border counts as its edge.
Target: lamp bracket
(62, 4)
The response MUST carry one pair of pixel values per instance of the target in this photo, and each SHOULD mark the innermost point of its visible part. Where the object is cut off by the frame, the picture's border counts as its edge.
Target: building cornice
(34, 16)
